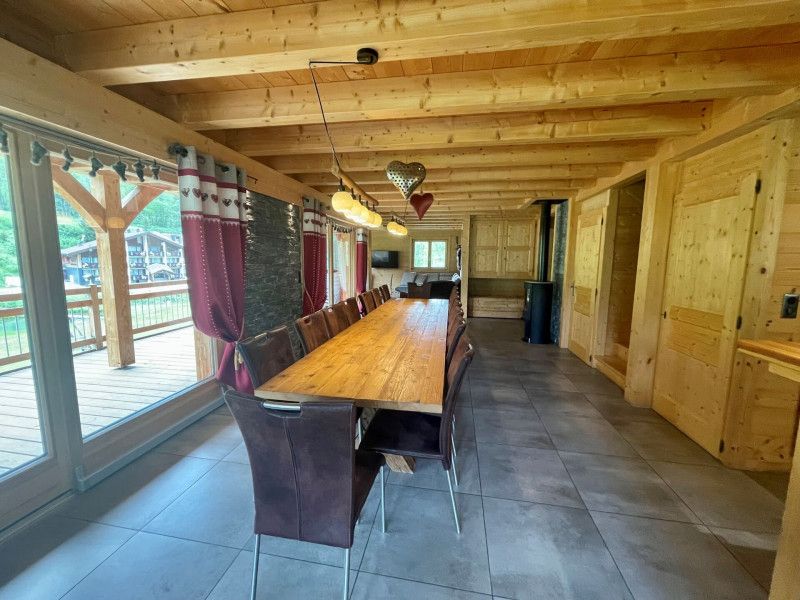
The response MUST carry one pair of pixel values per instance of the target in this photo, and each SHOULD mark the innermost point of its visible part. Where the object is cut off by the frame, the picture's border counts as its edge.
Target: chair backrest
(267, 354)
(367, 302)
(454, 332)
(376, 295)
(455, 297)
(441, 289)
(302, 460)
(336, 318)
(385, 292)
(351, 310)
(462, 357)
(419, 291)
(313, 331)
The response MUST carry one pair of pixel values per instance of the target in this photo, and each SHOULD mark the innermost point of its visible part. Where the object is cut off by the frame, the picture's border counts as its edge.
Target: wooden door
(519, 249)
(584, 289)
(486, 248)
(708, 249)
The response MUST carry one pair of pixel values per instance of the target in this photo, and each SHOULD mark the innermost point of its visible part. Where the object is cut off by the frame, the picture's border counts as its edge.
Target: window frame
(429, 243)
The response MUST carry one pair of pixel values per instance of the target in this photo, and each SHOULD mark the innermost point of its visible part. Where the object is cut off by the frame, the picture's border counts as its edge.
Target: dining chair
(267, 354)
(455, 295)
(376, 295)
(309, 481)
(351, 310)
(454, 332)
(419, 291)
(423, 435)
(441, 289)
(313, 331)
(367, 302)
(385, 292)
(336, 318)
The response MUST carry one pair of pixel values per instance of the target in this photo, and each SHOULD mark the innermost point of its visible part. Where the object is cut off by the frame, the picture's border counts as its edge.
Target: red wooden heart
(421, 203)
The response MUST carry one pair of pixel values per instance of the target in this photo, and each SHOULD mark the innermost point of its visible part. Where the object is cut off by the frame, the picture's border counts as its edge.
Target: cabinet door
(707, 258)
(584, 288)
(519, 254)
(486, 248)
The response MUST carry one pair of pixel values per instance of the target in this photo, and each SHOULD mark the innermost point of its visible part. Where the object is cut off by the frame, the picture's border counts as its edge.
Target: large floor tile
(507, 376)
(569, 364)
(624, 485)
(46, 560)
(379, 587)
(581, 434)
(755, 551)
(532, 365)
(776, 484)
(465, 424)
(594, 382)
(616, 409)
(133, 496)
(663, 560)
(529, 474)
(510, 427)
(218, 509)
(560, 556)
(563, 403)
(238, 455)
(723, 498)
(508, 397)
(280, 577)
(212, 437)
(157, 568)
(421, 542)
(547, 382)
(661, 441)
(431, 475)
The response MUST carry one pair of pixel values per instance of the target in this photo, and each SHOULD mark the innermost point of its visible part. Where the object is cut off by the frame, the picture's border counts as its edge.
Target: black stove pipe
(544, 240)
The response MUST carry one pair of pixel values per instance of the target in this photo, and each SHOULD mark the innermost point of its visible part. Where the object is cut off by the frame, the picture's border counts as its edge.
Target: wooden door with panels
(519, 248)
(486, 248)
(588, 240)
(708, 252)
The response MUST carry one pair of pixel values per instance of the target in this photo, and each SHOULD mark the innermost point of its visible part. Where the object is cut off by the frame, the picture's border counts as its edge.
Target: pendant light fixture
(342, 201)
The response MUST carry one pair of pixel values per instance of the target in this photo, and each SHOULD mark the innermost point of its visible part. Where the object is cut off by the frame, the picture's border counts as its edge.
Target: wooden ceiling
(504, 102)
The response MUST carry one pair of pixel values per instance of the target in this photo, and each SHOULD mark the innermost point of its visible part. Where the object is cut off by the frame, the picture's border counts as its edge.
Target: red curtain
(361, 260)
(214, 222)
(315, 255)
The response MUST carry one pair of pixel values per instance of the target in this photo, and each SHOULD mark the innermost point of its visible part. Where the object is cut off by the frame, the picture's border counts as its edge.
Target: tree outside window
(430, 254)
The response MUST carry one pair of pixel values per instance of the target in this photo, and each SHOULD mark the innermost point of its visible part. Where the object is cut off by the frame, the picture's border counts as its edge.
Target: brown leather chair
(419, 434)
(309, 481)
(385, 292)
(367, 302)
(454, 332)
(419, 291)
(351, 310)
(455, 296)
(313, 331)
(267, 354)
(336, 318)
(376, 295)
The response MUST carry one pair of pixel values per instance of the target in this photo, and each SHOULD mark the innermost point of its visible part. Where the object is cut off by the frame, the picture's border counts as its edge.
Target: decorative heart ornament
(407, 177)
(421, 203)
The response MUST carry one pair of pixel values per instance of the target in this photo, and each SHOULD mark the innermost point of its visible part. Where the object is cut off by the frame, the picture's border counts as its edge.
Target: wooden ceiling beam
(389, 189)
(581, 125)
(545, 154)
(595, 83)
(286, 37)
(476, 175)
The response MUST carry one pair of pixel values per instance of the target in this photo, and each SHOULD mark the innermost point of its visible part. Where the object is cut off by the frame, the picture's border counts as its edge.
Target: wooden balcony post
(97, 322)
(112, 261)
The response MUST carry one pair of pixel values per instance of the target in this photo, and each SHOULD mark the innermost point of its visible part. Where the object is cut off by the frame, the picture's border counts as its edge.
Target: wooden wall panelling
(567, 288)
(604, 272)
(519, 248)
(708, 249)
(486, 247)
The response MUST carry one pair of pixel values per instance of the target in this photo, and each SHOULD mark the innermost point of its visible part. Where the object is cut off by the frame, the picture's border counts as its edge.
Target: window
(430, 254)
(341, 275)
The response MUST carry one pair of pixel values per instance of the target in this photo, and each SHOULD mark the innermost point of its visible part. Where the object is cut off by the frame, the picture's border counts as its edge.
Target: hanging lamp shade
(359, 213)
(376, 220)
(396, 229)
(348, 211)
(341, 200)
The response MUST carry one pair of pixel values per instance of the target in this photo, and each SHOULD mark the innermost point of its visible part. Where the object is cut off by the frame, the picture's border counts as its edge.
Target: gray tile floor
(566, 492)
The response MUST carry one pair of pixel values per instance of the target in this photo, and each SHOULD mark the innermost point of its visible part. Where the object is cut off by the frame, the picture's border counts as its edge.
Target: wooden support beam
(112, 258)
(338, 172)
(79, 198)
(286, 37)
(545, 154)
(385, 190)
(479, 174)
(581, 125)
(786, 575)
(42, 92)
(137, 200)
(595, 83)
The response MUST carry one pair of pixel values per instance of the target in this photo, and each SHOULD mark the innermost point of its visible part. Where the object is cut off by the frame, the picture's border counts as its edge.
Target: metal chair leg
(455, 471)
(358, 431)
(346, 573)
(453, 500)
(255, 566)
(383, 502)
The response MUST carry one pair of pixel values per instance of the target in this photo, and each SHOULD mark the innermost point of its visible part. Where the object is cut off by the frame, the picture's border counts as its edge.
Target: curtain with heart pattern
(214, 222)
(315, 255)
(361, 260)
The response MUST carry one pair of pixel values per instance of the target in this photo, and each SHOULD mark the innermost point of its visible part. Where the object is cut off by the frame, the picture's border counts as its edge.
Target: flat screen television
(384, 259)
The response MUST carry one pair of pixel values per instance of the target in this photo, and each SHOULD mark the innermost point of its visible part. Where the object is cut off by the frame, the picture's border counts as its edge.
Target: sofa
(414, 278)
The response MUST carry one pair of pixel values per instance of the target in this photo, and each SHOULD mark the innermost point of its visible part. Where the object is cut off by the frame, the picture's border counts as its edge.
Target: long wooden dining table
(392, 358)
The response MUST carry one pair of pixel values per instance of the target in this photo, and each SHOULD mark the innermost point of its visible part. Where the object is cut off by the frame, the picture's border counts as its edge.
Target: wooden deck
(165, 364)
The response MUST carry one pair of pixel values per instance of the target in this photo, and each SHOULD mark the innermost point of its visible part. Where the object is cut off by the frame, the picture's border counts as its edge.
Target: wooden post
(96, 320)
(204, 355)
(112, 261)
(660, 185)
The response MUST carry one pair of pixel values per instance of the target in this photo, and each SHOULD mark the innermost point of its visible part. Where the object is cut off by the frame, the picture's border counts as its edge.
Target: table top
(788, 352)
(392, 358)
